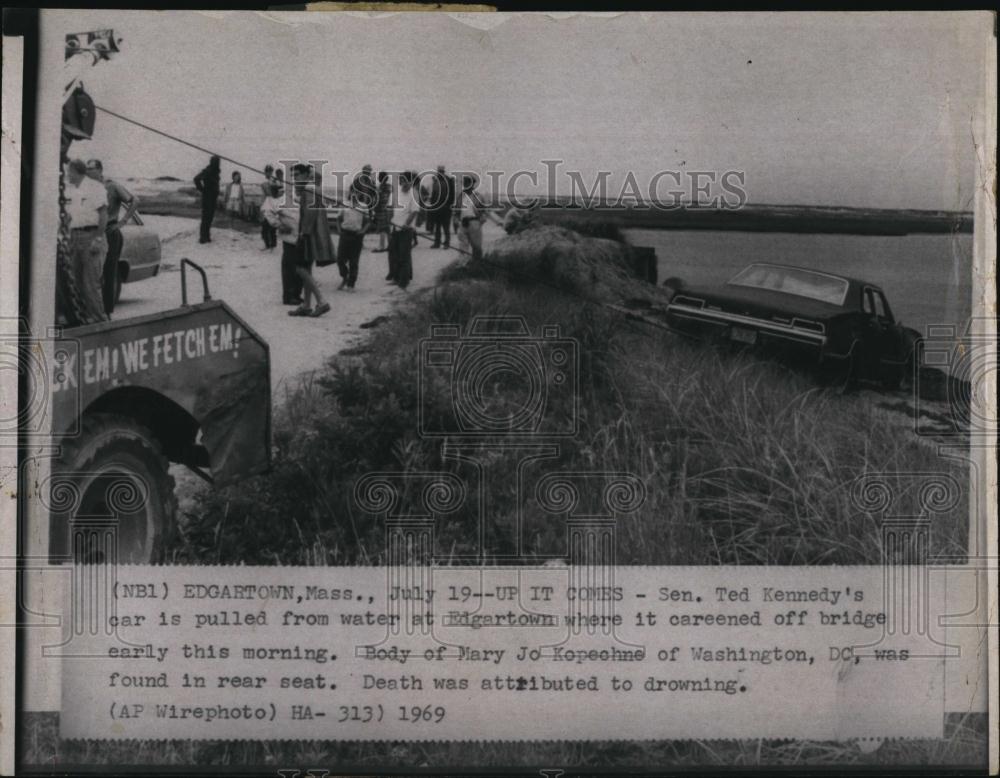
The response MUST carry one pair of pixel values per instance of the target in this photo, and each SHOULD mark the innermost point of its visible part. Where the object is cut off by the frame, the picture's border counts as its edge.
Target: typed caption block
(455, 653)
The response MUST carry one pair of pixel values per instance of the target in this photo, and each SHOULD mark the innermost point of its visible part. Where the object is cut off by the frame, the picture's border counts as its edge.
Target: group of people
(93, 207)
(93, 210)
(427, 202)
(299, 219)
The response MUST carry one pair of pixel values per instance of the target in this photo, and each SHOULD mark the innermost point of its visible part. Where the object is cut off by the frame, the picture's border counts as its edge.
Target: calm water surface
(927, 278)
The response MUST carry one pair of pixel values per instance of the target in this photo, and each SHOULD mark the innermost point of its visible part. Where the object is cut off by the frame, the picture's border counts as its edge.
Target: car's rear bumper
(141, 273)
(734, 327)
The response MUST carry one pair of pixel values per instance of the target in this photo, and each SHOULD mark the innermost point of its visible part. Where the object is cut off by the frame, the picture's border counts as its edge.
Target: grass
(744, 462)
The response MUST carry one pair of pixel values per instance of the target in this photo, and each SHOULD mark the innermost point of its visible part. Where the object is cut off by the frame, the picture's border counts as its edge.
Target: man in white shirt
(288, 227)
(118, 195)
(87, 207)
(404, 215)
(469, 219)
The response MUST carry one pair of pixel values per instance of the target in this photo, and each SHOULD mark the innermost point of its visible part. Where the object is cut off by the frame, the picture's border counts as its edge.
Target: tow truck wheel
(120, 481)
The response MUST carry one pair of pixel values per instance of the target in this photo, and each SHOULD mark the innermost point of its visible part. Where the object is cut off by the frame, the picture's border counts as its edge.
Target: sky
(852, 109)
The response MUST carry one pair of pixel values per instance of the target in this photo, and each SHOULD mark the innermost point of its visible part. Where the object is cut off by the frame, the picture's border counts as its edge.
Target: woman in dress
(234, 195)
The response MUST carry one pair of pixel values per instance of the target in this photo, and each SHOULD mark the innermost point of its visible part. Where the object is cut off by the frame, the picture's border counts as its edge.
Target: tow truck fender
(197, 368)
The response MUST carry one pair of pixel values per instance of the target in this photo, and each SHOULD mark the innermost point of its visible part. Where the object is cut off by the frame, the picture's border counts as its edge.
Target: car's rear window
(793, 280)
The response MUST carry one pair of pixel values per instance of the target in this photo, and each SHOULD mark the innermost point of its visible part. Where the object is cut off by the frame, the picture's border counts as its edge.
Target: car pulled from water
(842, 326)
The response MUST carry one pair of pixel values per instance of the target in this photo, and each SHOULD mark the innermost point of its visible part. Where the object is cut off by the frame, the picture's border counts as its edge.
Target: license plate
(743, 335)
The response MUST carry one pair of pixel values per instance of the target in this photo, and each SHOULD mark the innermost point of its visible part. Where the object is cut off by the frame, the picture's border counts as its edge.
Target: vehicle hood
(747, 301)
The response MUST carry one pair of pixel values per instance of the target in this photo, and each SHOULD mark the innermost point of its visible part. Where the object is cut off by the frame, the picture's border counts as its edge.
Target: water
(926, 278)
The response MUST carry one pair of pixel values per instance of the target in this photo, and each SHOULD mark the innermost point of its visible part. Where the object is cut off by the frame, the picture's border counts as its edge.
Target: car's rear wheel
(841, 376)
(903, 376)
(118, 477)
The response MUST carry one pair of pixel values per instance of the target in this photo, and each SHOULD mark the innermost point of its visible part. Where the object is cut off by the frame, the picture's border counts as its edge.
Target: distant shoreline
(183, 201)
(774, 218)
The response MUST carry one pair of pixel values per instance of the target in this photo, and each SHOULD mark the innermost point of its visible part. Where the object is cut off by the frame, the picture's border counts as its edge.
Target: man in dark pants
(207, 182)
(443, 198)
(87, 208)
(404, 215)
(117, 195)
(288, 218)
(352, 224)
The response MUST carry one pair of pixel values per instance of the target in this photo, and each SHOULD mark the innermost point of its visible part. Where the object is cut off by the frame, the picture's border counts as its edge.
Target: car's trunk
(763, 303)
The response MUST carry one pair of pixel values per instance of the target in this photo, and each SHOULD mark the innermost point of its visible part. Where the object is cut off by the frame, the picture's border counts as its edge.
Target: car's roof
(854, 282)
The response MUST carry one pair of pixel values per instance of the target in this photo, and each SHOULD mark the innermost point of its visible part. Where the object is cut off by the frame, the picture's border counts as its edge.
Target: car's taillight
(811, 326)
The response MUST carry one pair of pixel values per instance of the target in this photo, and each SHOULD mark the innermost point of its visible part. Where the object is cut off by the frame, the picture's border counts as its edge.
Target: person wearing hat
(440, 202)
(87, 208)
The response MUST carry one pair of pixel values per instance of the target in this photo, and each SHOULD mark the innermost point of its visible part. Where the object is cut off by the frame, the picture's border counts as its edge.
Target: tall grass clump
(743, 461)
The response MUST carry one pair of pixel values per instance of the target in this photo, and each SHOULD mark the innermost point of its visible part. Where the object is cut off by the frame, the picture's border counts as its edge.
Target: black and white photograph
(376, 369)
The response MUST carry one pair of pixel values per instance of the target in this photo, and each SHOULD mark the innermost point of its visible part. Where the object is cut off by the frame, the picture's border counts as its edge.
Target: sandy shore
(248, 279)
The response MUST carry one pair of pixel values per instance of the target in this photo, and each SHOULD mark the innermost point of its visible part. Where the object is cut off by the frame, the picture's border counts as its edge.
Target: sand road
(248, 279)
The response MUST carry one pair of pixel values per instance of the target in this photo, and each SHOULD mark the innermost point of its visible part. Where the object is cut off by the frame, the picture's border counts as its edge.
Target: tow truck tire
(117, 468)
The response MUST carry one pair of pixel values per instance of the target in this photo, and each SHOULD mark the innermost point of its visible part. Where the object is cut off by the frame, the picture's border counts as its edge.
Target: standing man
(117, 194)
(288, 226)
(87, 207)
(404, 215)
(363, 187)
(207, 182)
(270, 218)
(352, 224)
(443, 194)
(471, 213)
(315, 247)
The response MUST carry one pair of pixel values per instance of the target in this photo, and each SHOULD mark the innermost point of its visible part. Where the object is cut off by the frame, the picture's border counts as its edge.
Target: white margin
(10, 220)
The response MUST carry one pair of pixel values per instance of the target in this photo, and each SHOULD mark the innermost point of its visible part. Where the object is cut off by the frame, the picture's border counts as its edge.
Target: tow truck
(190, 385)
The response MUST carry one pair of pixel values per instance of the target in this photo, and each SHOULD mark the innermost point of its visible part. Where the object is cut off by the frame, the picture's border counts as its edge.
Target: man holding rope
(469, 219)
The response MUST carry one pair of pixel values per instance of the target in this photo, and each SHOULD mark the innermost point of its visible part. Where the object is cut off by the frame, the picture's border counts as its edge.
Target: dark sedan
(842, 325)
